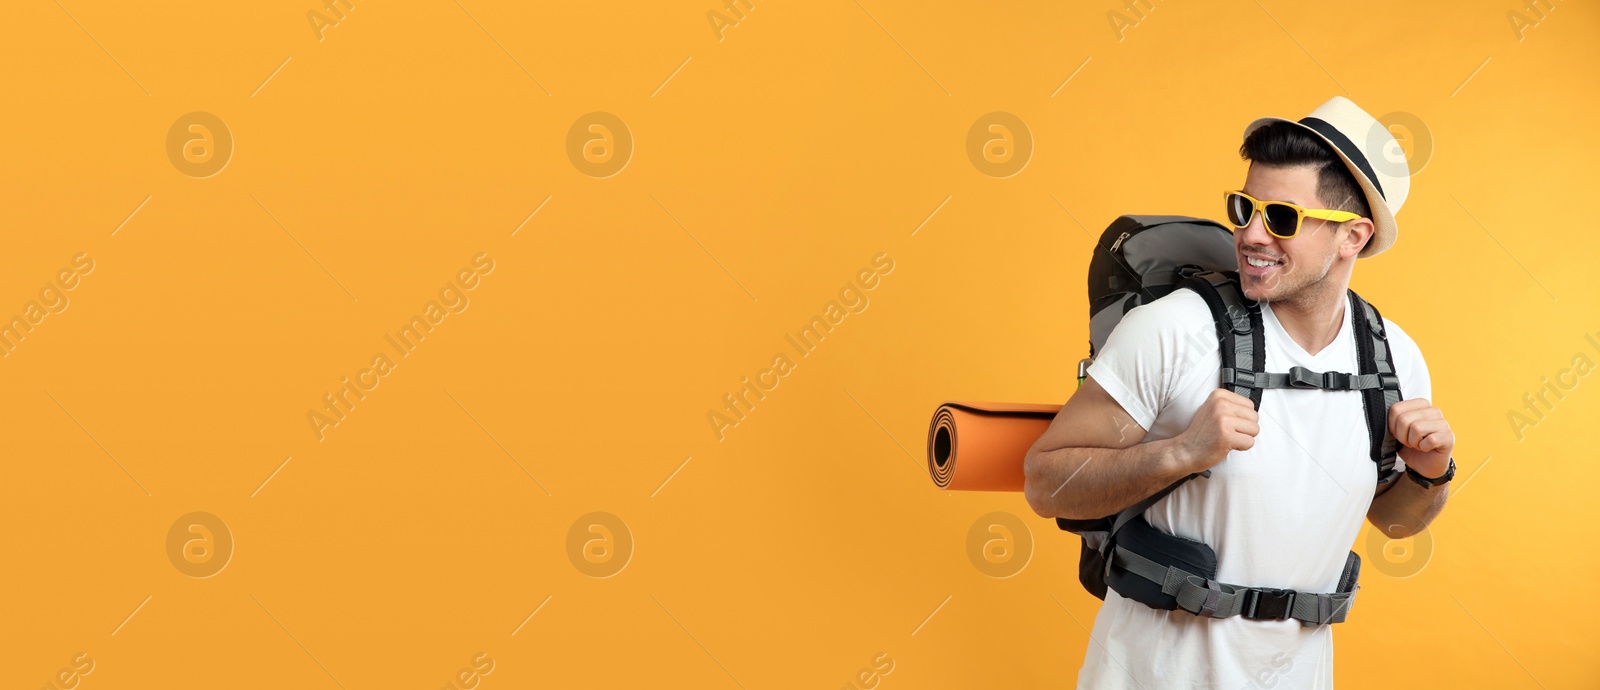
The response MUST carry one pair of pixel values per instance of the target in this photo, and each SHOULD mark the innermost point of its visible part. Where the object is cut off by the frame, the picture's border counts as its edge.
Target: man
(1289, 485)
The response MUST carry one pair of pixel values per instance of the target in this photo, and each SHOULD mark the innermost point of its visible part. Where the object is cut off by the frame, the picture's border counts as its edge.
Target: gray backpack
(1140, 259)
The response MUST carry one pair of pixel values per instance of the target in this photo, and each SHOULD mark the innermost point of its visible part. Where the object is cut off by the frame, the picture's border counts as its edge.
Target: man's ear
(1354, 238)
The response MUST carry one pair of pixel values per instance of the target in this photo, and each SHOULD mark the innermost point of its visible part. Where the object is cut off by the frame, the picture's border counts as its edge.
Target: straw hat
(1361, 140)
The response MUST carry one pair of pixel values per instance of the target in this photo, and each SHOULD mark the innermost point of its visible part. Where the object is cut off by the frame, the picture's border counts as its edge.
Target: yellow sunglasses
(1281, 217)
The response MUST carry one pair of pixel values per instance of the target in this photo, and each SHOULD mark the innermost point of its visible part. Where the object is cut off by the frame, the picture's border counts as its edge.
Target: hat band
(1345, 146)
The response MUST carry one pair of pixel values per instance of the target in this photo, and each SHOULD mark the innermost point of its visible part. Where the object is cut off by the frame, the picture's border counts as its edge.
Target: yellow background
(767, 170)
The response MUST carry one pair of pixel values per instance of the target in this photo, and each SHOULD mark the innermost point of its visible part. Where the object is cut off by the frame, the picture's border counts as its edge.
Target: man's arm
(1089, 463)
(1405, 508)
(1426, 442)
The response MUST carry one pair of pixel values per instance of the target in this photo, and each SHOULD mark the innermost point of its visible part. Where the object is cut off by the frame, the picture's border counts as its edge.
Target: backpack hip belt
(1204, 596)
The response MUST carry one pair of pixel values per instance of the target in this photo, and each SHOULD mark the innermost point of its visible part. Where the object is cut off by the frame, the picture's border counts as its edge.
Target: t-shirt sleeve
(1138, 366)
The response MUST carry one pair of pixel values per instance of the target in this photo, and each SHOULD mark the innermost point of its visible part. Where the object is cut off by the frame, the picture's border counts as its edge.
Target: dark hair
(1288, 144)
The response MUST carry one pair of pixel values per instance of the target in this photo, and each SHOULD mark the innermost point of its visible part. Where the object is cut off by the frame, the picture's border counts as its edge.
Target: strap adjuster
(1301, 377)
(1268, 604)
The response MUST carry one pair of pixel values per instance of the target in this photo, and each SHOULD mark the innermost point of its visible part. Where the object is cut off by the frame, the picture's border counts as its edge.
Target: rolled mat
(979, 446)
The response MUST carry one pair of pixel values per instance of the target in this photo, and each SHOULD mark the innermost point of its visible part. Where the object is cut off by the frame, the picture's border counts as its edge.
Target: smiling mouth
(1262, 263)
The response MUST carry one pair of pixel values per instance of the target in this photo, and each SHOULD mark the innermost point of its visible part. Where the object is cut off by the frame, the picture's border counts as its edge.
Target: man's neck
(1313, 317)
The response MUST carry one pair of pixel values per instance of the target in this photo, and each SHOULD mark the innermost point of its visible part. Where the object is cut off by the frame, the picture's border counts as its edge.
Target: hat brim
(1384, 227)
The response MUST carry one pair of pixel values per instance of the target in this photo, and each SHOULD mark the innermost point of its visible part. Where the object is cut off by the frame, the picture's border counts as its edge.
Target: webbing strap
(1301, 377)
(1372, 352)
(1138, 509)
(1240, 339)
(1205, 597)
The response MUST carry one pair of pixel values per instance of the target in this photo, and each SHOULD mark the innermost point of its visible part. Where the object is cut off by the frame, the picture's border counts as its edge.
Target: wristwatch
(1427, 483)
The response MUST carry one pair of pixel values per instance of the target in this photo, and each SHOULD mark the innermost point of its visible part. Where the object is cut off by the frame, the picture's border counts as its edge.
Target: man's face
(1296, 263)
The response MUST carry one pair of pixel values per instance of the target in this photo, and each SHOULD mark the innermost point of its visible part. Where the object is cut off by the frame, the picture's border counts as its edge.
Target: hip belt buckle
(1268, 604)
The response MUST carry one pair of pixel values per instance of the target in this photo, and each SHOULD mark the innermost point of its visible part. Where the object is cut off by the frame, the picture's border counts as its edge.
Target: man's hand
(1225, 422)
(1425, 437)
(1405, 508)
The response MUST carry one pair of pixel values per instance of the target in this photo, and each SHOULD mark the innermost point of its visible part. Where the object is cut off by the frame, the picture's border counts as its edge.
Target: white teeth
(1258, 263)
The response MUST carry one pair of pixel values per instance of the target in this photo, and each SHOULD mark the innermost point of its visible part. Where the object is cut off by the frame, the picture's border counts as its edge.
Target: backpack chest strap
(1301, 377)
(1243, 352)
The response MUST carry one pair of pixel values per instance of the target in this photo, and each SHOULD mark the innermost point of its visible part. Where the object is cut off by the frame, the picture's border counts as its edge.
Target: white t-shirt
(1282, 514)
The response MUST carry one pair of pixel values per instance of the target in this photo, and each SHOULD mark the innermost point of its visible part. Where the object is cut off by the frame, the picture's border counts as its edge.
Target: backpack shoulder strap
(1239, 331)
(1121, 519)
(1238, 324)
(1375, 358)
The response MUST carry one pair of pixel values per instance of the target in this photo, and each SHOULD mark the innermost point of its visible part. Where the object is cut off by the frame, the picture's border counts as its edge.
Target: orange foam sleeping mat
(979, 446)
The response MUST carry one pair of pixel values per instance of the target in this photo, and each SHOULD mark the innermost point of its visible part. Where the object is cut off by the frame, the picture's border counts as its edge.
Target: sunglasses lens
(1281, 220)
(1239, 210)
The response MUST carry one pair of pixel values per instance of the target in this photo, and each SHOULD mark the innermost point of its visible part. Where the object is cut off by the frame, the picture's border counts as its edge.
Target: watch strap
(1427, 483)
